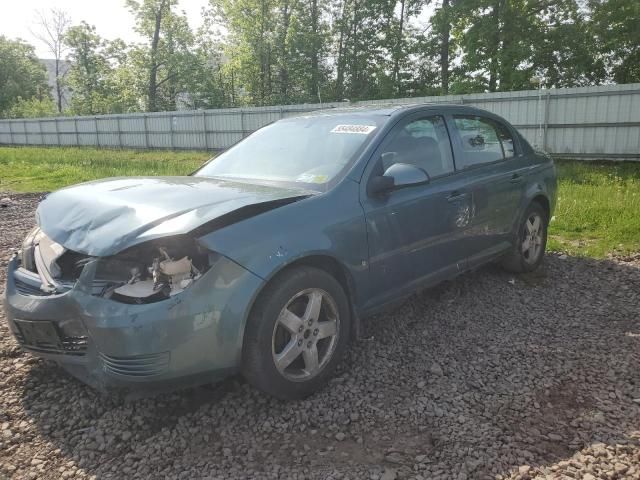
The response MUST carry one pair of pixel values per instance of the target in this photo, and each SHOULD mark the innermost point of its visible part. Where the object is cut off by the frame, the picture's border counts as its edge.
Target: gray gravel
(490, 376)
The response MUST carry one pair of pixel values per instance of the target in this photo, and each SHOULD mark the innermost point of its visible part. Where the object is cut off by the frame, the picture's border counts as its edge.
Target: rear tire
(296, 334)
(530, 243)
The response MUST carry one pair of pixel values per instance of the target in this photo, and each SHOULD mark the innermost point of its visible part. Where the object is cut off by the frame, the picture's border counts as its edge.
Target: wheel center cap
(307, 333)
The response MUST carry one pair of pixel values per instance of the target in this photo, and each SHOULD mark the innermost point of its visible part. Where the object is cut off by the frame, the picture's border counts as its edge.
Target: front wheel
(296, 334)
(530, 243)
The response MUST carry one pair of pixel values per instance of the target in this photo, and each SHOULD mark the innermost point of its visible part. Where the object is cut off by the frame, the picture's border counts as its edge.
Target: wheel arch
(330, 265)
(543, 201)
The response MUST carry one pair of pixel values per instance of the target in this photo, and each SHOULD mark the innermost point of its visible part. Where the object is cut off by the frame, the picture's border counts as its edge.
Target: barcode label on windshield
(362, 129)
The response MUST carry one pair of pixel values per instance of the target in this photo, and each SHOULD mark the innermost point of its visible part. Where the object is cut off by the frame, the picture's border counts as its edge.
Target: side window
(482, 141)
(423, 143)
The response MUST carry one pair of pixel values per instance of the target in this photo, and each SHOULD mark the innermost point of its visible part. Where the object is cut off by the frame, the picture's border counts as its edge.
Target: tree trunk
(315, 47)
(397, 54)
(494, 61)
(58, 85)
(284, 60)
(341, 54)
(153, 71)
(444, 47)
(263, 68)
(356, 91)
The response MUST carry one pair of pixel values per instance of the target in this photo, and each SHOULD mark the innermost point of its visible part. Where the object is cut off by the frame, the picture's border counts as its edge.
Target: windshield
(307, 150)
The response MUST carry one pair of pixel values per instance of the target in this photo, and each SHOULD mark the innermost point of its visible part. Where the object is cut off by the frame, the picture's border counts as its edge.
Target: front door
(410, 230)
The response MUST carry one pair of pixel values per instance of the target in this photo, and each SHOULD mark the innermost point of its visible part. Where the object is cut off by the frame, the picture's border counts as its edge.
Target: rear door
(410, 230)
(488, 159)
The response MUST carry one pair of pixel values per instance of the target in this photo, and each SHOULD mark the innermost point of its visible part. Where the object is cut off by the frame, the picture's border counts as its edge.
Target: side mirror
(397, 176)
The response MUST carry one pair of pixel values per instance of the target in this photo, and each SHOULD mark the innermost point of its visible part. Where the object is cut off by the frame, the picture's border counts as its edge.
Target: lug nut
(299, 343)
(310, 321)
(315, 332)
(301, 328)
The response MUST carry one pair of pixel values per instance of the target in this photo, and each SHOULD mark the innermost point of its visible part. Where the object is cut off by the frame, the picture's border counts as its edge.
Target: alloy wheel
(532, 238)
(305, 335)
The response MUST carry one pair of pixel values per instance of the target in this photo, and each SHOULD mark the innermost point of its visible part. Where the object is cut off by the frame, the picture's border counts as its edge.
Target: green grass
(31, 169)
(598, 210)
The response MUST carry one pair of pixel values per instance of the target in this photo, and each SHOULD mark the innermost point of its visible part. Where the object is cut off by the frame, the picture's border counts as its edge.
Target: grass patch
(35, 169)
(598, 209)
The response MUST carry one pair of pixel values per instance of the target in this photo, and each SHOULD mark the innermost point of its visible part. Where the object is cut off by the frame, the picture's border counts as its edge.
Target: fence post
(242, 122)
(119, 132)
(10, 132)
(75, 127)
(546, 120)
(95, 120)
(171, 117)
(24, 128)
(146, 132)
(57, 131)
(204, 130)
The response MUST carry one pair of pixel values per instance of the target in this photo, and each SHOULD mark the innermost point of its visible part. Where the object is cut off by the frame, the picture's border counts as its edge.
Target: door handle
(456, 196)
(516, 178)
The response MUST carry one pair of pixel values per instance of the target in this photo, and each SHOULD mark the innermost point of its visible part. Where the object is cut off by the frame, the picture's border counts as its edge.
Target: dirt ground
(490, 376)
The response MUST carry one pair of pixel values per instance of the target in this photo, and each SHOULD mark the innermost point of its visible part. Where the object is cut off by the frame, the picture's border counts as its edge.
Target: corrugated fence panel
(589, 122)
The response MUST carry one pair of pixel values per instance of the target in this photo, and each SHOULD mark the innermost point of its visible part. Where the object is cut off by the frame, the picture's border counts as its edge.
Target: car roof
(389, 109)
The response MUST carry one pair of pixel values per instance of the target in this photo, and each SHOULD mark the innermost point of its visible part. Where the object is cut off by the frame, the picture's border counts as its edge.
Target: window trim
(400, 124)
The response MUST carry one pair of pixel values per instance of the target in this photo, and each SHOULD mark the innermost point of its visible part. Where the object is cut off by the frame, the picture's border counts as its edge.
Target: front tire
(531, 241)
(296, 333)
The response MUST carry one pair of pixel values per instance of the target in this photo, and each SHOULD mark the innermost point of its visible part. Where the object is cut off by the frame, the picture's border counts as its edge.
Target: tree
(168, 59)
(615, 25)
(22, 76)
(53, 27)
(565, 54)
(444, 19)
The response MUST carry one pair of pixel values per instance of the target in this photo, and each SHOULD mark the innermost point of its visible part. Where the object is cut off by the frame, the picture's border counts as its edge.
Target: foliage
(22, 76)
(33, 107)
(616, 29)
(267, 52)
(168, 60)
(597, 210)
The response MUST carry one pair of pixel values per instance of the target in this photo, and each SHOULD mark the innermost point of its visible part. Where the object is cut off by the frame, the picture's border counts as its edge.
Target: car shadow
(490, 375)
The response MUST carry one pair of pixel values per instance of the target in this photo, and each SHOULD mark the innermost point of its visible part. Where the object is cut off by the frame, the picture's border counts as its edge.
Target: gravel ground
(488, 376)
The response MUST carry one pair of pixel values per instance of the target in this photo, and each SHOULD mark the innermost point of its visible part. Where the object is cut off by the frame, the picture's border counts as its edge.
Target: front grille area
(69, 346)
(139, 366)
(45, 337)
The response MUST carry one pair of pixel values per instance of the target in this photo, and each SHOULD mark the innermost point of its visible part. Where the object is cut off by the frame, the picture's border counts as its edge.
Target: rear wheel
(296, 333)
(531, 242)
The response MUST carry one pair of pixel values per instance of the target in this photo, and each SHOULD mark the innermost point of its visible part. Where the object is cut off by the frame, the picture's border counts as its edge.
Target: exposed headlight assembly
(152, 271)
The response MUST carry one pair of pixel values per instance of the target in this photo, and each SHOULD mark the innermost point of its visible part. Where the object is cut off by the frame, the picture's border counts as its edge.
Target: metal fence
(585, 122)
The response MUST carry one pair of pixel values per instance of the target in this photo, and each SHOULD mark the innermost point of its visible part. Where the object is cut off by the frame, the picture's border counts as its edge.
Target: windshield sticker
(311, 178)
(362, 129)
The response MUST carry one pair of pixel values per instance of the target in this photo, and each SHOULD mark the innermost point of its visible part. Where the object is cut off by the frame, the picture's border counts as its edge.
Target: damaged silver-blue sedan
(265, 259)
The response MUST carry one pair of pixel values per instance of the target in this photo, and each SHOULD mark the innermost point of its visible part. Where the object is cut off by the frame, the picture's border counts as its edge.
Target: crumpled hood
(106, 216)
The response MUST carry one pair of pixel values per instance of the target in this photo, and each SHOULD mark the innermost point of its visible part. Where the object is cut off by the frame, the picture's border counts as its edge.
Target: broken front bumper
(192, 337)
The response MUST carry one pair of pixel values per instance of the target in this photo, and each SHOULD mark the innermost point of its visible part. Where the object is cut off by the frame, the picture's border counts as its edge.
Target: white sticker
(362, 129)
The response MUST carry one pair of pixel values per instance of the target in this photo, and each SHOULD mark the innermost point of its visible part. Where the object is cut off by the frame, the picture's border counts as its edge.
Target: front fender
(331, 224)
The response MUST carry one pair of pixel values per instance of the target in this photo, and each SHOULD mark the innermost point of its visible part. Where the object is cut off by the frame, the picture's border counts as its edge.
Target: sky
(111, 18)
